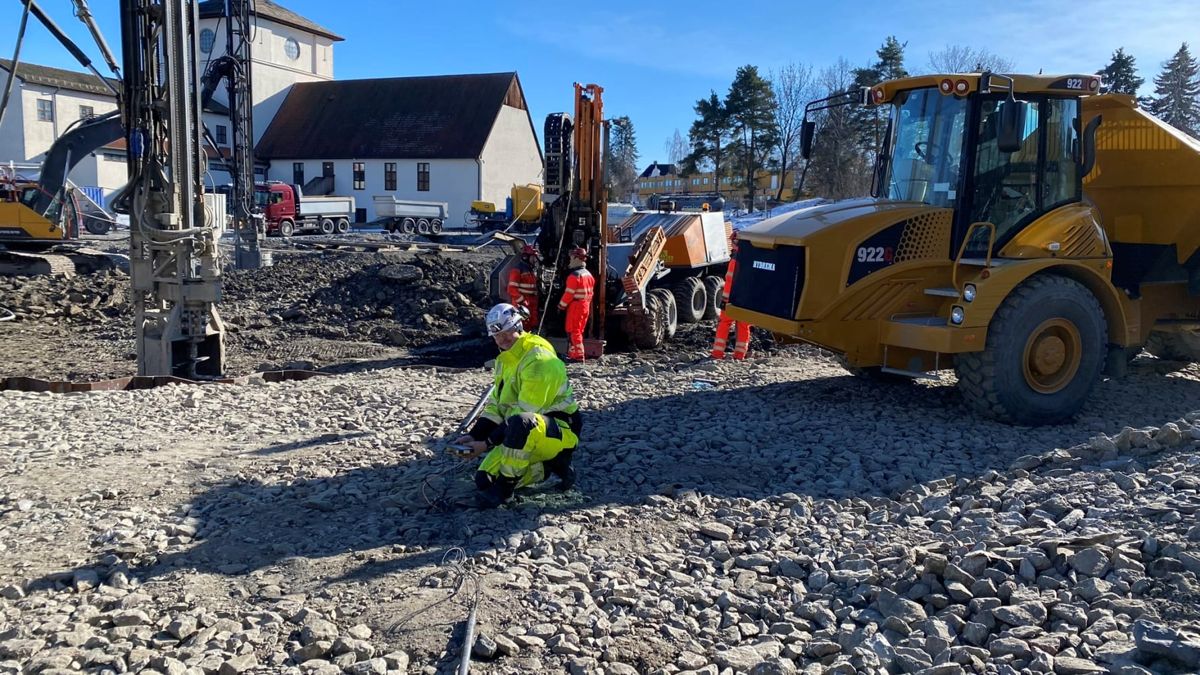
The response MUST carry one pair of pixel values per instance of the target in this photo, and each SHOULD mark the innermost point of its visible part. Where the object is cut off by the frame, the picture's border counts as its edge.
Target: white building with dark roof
(449, 138)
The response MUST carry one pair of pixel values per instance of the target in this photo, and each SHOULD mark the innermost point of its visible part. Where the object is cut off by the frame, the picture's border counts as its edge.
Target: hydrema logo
(760, 265)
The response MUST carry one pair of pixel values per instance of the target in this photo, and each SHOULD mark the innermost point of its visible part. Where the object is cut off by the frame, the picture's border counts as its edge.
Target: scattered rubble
(813, 527)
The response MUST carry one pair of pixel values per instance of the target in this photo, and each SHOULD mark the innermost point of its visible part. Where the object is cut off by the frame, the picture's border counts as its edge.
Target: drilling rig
(174, 270)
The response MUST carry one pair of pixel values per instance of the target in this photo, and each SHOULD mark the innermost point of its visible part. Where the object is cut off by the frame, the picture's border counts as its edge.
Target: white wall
(40, 135)
(12, 139)
(510, 156)
(24, 139)
(272, 73)
(454, 181)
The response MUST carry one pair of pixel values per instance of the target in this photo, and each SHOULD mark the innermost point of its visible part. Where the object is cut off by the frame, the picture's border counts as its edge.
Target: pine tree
(708, 136)
(871, 121)
(1176, 98)
(1120, 75)
(623, 158)
(750, 105)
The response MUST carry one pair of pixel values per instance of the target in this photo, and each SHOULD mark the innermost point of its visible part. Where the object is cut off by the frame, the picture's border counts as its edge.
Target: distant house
(449, 138)
(44, 104)
(287, 48)
(664, 179)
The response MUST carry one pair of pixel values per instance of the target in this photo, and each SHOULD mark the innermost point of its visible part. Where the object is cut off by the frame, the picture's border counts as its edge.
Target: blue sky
(654, 59)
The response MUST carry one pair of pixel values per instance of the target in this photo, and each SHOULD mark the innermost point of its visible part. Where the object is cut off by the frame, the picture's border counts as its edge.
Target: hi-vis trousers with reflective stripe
(529, 440)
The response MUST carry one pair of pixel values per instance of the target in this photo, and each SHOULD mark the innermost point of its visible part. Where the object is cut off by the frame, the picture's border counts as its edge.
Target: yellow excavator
(1026, 231)
(40, 220)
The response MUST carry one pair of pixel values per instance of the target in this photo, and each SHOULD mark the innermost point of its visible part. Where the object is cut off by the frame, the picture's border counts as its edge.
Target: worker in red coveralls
(743, 328)
(523, 285)
(577, 301)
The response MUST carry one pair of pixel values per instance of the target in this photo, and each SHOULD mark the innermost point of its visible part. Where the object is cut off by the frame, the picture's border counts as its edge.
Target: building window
(291, 48)
(360, 176)
(45, 110)
(389, 176)
(422, 176)
(222, 134)
(298, 173)
(86, 112)
(207, 38)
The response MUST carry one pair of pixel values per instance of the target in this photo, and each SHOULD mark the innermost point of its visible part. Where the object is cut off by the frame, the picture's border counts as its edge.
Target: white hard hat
(504, 317)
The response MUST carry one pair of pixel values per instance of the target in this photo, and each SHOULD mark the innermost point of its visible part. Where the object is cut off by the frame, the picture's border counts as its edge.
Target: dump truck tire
(286, 228)
(691, 298)
(1174, 345)
(435, 226)
(408, 226)
(647, 331)
(713, 287)
(327, 226)
(1044, 353)
(670, 311)
(343, 226)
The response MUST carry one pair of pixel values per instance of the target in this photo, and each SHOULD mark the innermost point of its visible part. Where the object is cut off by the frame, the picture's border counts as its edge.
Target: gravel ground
(770, 516)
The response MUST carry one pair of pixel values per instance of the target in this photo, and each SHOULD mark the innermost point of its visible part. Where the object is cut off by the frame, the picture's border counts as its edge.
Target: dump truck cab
(978, 216)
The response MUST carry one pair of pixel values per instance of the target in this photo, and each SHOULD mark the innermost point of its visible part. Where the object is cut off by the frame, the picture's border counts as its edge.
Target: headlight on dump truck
(969, 292)
(957, 315)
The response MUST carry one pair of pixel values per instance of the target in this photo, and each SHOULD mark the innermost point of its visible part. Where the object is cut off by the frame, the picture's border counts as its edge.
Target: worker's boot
(493, 490)
(561, 466)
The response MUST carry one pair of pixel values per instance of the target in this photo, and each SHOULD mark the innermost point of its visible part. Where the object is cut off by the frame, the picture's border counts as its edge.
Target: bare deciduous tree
(839, 167)
(963, 59)
(794, 87)
(676, 149)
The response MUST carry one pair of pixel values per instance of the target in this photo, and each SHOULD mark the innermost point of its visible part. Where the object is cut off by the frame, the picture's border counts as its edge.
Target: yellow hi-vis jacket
(529, 378)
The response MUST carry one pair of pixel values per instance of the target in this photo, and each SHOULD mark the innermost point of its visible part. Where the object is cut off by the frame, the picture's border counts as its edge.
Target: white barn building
(451, 138)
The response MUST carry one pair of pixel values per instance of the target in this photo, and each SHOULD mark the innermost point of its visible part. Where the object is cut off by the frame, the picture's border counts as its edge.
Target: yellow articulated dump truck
(1024, 230)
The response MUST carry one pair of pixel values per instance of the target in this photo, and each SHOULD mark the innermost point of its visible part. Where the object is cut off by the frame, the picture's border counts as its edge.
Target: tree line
(756, 126)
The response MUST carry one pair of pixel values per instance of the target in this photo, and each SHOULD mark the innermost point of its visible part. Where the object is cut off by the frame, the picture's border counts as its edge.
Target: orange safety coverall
(577, 300)
(522, 291)
(743, 328)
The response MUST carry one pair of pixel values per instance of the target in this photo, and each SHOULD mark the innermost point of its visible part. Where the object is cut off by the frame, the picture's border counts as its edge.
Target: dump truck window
(927, 149)
(1006, 184)
(1061, 182)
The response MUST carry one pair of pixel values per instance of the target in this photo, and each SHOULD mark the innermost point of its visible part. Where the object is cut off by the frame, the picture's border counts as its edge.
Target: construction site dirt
(318, 306)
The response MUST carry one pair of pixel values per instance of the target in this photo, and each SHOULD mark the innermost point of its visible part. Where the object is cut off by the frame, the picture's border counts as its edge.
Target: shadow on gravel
(828, 438)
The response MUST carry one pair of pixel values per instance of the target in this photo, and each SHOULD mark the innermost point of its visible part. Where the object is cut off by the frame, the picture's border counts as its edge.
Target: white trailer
(411, 216)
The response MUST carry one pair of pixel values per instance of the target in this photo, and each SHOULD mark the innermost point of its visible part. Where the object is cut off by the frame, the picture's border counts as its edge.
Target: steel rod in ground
(464, 665)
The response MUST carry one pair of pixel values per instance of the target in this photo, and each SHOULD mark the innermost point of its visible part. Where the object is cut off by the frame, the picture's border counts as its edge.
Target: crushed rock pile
(394, 299)
(80, 299)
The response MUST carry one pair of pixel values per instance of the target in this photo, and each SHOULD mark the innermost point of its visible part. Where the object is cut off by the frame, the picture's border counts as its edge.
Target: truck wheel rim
(1052, 355)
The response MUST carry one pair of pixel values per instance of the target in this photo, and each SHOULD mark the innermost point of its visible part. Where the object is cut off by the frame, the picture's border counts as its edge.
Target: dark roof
(211, 9)
(217, 108)
(440, 117)
(656, 169)
(57, 77)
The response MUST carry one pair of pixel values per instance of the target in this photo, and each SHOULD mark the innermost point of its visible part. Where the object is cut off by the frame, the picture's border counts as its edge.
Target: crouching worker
(531, 424)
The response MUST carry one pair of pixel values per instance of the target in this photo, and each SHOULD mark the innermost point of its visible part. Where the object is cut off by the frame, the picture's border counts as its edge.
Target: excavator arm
(66, 152)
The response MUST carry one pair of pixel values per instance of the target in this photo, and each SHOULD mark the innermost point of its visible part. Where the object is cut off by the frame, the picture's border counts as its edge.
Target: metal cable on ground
(16, 61)
(461, 567)
(7, 314)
